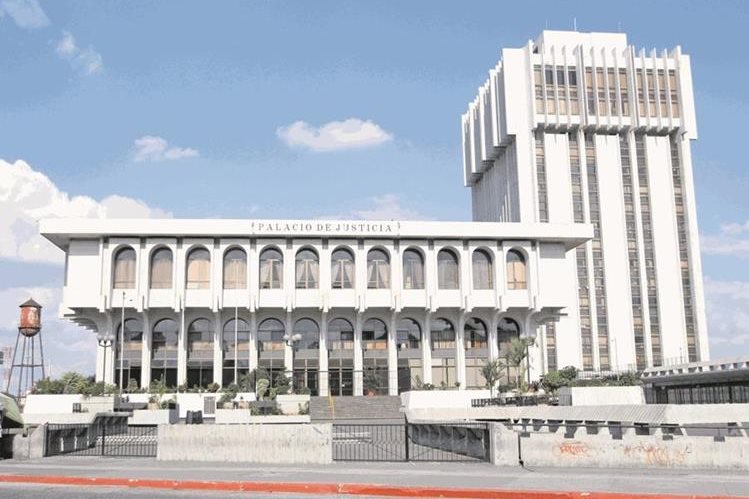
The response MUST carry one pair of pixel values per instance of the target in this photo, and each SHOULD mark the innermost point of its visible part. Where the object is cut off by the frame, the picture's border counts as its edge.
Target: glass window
(408, 334)
(448, 274)
(124, 269)
(199, 269)
(237, 330)
(475, 334)
(413, 270)
(482, 270)
(443, 334)
(161, 269)
(307, 269)
(165, 339)
(507, 330)
(374, 335)
(132, 340)
(200, 339)
(516, 270)
(271, 269)
(378, 269)
(270, 335)
(342, 269)
(310, 334)
(340, 335)
(235, 269)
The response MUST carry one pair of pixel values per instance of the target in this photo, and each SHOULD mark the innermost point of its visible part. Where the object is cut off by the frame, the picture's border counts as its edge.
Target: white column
(182, 349)
(426, 347)
(253, 341)
(358, 360)
(288, 353)
(145, 359)
(460, 352)
(218, 357)
(322, 381)
(393, 355)
(491, 337)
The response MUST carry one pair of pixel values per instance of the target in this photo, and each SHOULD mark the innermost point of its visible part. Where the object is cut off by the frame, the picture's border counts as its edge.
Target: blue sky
(189, 108)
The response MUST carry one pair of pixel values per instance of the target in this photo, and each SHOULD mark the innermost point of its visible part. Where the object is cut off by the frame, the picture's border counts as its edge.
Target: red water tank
(31, 318)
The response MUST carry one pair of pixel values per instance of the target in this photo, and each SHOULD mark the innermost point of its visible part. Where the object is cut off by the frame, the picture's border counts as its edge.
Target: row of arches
(270, 341)
(307, 269)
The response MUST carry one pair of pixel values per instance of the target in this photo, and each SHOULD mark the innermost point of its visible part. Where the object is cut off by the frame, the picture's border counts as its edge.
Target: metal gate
(411, 442)
(101, 439)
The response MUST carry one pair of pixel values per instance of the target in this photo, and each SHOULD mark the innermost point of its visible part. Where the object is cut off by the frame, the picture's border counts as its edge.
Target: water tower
(28, 355)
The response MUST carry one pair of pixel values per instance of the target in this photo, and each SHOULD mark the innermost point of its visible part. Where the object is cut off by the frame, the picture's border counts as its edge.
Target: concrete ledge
(243, 416)
(154, 417)
(288, 443)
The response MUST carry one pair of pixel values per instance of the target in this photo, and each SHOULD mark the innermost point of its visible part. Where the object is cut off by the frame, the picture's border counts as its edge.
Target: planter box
(243, 416)
(157, 417)
(289, 404)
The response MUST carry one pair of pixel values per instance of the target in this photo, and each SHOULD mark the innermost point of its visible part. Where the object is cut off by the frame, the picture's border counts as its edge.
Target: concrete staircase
(378, 409)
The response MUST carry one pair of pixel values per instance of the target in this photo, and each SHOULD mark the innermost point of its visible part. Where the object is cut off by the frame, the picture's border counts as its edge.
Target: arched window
(413, 270)
(161, 269)
(307, 269)
(516, 270)
(408, 334)
(507, 330)
(340, 335)
(378, 269)
(200, 353)
(448, 274)
(164, 347)
(235, 269)
(270, 335)
(128, 347)
(124, 269)
(475, 334)
(374, 335)
(199, 269)
(310, 334)
(235, 345)
(482, 270)
(271, 269)
(342, 269)
(443, 334)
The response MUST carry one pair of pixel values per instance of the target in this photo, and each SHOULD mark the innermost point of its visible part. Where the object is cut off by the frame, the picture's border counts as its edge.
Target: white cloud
(154, 148)
(87, 61)
(27, 195)
(385, 207)
(727, 304)
(27, 14)
(731, 240)
(352, 133)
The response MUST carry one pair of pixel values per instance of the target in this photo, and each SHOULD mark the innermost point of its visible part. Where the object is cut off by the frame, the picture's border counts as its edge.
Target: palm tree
(516, 354)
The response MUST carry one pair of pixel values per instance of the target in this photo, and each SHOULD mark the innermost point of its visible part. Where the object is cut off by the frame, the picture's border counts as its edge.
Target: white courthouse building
(398, 299)
(576, 151)
(584, 128)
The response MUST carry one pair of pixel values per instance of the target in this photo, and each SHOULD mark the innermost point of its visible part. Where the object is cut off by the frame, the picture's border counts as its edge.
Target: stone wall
(281, 443)
(570, 447)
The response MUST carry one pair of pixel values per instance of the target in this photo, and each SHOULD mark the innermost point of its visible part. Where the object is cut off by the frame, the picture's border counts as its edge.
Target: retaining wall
(289, 443)
(568, 447)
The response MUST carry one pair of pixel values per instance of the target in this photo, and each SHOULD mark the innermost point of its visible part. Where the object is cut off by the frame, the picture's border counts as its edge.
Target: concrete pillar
(288, 352)
(182, 349)
(460, 351)
(218, 354)
(393, 355)
(358, 357)
(491, 337)
(145, 359)
(322, 373)
(426, 347)
(253, 341)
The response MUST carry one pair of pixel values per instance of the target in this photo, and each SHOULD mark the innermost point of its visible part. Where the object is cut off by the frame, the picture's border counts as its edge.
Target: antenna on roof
(574, 24)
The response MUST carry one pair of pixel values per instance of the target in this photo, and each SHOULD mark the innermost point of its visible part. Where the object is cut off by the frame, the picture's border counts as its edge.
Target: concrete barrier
(243, 416)
(570, 446)
(29, 445)
(601, 395)
(290, 443)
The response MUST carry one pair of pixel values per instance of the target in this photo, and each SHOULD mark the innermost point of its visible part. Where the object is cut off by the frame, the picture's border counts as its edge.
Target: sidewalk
(385, 479)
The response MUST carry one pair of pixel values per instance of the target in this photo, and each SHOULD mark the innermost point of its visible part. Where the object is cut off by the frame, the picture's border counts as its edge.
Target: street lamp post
(105, 340)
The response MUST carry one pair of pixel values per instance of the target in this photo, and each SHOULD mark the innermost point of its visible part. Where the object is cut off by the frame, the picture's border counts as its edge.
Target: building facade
(345, 308)
(581, 128)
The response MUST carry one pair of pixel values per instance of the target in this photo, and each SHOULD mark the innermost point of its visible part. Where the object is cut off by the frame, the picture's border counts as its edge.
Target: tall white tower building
(584, 128)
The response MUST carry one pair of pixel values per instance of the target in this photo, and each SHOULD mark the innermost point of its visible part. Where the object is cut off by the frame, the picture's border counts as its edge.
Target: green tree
(492, 373)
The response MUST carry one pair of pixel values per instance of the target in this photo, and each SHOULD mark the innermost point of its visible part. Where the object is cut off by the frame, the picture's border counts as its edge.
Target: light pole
(105, 339)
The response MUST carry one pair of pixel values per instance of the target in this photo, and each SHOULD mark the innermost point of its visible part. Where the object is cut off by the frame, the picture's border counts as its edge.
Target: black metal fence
(101, 439)
(519, 400)
(411, 442)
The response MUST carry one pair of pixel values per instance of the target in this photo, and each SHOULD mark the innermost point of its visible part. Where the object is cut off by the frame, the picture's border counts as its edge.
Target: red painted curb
(356, 489)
